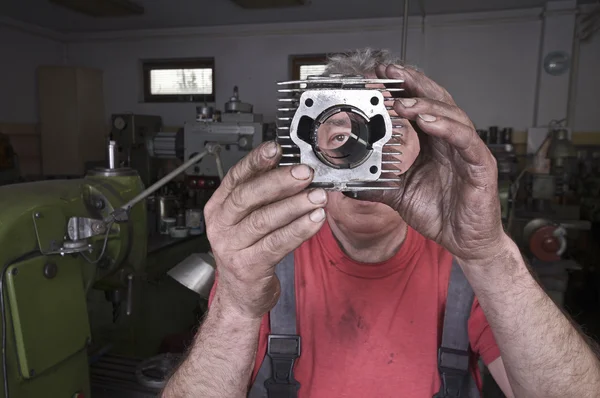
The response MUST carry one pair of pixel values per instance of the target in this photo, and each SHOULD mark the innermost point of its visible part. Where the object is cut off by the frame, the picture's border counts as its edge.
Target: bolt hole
(373, 169)
(309, 102)
(374, 101)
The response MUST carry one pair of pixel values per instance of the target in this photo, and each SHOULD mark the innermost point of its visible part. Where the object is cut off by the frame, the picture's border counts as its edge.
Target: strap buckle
(283, 351)
(453, 366)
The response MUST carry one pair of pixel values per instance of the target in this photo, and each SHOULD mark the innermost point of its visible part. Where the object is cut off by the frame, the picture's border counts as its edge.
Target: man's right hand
(257, 216)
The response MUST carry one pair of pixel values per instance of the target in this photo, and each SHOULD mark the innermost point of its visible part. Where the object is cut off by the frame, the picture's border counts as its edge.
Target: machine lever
(217, 153)
(120, 214)
(129, 308)
(163, 181)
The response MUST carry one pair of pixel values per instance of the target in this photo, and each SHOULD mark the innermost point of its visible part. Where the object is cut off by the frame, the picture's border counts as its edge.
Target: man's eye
(340, 138)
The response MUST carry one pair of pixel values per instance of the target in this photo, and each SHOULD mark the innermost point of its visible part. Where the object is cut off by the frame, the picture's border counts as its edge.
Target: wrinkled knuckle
(292, 206)
(272, 245)
(236, 174)
(214, 221)
(259, 223)
(281, 177)
(298, 233)
(210, 209)
(217, 235)
(237, 201)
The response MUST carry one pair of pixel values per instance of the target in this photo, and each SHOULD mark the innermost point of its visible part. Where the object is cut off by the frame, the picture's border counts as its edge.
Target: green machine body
(55, 245)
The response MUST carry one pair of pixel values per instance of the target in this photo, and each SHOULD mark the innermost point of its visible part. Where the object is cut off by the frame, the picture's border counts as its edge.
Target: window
(179, 80)
(311, 70)
(308, 65)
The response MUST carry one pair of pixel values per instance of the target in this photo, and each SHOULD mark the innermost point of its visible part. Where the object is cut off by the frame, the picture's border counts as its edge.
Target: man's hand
(450, 193)
(256, 217)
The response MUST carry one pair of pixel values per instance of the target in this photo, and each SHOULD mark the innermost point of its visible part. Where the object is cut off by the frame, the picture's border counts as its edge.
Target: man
(372, 274)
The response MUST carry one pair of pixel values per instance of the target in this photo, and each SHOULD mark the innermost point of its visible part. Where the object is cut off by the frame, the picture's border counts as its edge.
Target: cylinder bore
(342, 136)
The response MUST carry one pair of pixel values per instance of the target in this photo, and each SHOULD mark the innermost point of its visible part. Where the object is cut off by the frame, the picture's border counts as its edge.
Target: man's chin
(361, 204)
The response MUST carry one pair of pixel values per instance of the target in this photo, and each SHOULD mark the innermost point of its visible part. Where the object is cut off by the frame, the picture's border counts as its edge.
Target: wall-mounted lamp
(557, 63)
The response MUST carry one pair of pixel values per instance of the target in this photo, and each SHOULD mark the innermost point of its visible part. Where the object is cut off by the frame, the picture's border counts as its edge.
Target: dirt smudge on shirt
(352, 324)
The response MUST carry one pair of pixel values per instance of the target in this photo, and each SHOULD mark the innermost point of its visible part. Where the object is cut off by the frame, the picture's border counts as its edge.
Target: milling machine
(55, 248)
(63, 240)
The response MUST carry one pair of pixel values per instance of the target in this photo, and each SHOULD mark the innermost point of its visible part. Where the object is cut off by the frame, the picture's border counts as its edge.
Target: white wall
(22, 53)
(252, 62)
(488, 61)
(489, 68)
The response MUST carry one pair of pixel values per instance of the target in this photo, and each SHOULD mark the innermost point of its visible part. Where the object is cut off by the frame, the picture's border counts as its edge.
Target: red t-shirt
(373, 330)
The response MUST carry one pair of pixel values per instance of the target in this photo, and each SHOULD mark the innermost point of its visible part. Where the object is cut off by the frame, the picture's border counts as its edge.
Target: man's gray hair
(360, 62)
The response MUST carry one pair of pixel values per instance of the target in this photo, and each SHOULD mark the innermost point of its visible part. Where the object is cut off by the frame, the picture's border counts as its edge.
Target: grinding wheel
(544, 239)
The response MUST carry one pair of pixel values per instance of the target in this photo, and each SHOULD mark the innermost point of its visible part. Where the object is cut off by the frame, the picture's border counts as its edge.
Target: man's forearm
(544, 354)
(221, 359)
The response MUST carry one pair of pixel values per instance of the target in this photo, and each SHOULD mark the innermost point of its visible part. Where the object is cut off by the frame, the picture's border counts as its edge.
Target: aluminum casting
(341, 127)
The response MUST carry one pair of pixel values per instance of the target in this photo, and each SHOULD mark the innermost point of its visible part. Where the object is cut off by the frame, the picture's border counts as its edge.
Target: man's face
(362, 216)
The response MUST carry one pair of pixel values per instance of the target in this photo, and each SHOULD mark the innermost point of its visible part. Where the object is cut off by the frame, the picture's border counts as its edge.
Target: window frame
(301, 60)
(183, 63)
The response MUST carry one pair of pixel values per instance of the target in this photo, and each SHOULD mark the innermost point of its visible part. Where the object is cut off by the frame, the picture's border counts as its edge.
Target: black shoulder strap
(453, 354)
(275, 379)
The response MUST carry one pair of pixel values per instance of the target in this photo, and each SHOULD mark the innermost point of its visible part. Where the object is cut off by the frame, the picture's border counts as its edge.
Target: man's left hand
(450, 194)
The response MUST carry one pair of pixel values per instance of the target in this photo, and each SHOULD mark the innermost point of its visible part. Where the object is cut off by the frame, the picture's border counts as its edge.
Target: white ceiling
(193, 13)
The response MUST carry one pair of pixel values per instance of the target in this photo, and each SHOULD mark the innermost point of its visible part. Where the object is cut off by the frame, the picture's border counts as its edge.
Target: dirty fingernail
(318, 196)
(317, 215)
(301, 172)
(408, 102)
(427, 118)
(270, 150)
